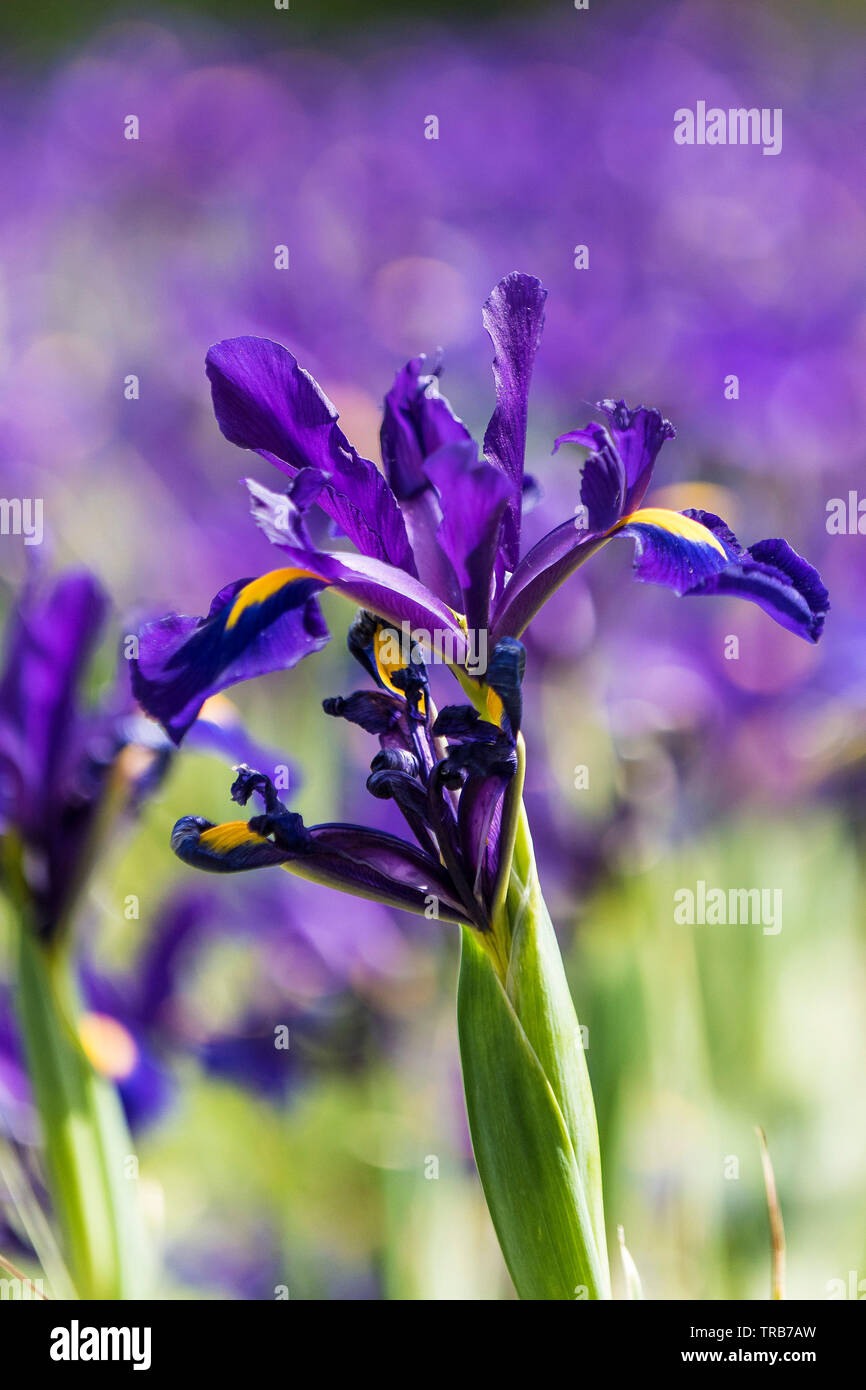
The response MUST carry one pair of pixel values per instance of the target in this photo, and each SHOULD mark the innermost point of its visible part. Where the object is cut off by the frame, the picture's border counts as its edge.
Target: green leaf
(523, 1149)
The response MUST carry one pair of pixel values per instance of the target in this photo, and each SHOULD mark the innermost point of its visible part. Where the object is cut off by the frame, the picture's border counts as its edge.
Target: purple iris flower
(57, 758)
(67, 767)
(437, 537)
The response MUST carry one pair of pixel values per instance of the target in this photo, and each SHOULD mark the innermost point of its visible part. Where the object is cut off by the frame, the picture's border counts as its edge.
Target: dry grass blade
(777, 1229)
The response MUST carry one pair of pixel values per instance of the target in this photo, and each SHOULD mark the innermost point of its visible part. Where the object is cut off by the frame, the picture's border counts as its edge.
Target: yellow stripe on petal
(222, 839)
(686, 527)
(260, 590)
(389, 655)
(494, 707)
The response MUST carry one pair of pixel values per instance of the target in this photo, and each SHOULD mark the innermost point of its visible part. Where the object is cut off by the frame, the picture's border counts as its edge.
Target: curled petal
(619, 469)
(351, 858)
(375, 711)
(223, 849)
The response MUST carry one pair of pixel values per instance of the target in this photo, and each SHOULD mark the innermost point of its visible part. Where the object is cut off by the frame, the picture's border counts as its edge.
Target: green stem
(529, 1098)
(91, 1167)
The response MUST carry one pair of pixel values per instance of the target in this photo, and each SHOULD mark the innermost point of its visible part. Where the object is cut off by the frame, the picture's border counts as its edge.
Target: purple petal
(264, 401)
(540, 573)
(390, 593)
(618, 471)
(637, 436)
(780, 581)
(349, 858)
(690, 552)
(417, 422)
(514, 318)
(253, 627)
(50, 640)
(676, 548)
(478, 821)
(474, 496)
(694, 552)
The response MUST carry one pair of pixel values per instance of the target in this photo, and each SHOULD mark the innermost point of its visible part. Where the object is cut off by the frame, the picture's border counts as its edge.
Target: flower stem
(90, 1164)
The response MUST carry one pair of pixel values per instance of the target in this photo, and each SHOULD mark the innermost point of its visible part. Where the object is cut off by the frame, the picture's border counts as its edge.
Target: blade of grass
(634, 1288)
(777, 1229)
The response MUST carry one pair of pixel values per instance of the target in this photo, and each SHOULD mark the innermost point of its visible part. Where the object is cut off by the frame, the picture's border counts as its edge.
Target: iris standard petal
(514, 317)
(254, 626)
(263, 400)
(474, 496)
(417, 421)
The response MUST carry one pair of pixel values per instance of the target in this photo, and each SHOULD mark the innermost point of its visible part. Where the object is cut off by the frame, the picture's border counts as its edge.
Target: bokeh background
(315, 1168)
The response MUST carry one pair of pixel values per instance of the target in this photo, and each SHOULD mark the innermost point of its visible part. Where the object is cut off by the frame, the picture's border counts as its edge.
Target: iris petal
(223, 849)
(390, 593)
(780, 581)
(417, 421)
(619, 469)
(514, 317)
(474, 498)
(690, 552)
(673, 549)
(263, 400)
(253, 627)
(351, 858)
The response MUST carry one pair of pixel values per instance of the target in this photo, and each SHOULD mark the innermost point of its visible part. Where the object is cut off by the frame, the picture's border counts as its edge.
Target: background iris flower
(72, 772)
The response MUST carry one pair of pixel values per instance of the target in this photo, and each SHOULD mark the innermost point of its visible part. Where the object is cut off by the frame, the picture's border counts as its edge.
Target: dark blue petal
(254, 626)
